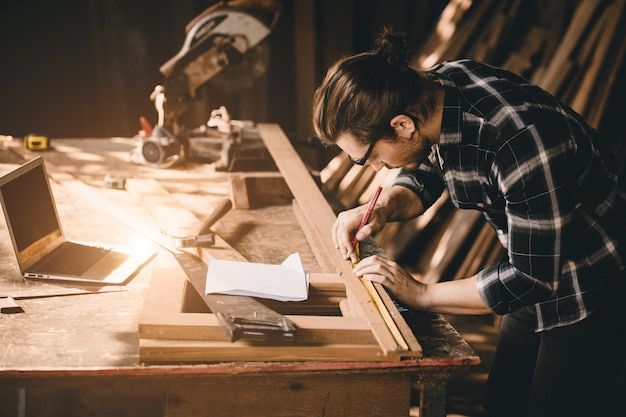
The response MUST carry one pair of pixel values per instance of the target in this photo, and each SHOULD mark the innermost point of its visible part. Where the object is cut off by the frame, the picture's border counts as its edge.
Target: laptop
(40, 245)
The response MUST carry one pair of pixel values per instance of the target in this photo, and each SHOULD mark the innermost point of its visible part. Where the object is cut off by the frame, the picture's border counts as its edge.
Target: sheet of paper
(285, 282)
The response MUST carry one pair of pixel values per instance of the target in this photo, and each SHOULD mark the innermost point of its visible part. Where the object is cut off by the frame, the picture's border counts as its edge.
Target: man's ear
(403, 124)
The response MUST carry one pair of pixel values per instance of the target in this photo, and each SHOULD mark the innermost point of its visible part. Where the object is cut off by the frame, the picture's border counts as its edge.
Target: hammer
(202, 236)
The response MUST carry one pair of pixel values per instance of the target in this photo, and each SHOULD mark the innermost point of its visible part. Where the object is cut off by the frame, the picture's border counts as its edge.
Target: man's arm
(450, 297)
(401, 203)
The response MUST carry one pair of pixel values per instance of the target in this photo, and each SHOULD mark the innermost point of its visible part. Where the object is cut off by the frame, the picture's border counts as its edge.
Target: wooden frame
(339, 321)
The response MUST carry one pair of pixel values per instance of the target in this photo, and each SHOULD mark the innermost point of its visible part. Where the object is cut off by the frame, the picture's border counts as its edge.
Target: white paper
(285, 282)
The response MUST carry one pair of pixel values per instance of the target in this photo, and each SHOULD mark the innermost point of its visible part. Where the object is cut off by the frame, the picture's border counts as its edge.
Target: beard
(412, 152)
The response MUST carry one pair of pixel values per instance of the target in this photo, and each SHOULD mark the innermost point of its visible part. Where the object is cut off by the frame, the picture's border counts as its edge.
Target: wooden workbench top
(82, 333)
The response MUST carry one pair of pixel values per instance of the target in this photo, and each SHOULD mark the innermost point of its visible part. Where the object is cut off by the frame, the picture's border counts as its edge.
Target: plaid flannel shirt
(542, 177)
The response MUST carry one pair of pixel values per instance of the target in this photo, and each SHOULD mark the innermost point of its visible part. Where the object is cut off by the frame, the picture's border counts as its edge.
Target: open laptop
(40, 245)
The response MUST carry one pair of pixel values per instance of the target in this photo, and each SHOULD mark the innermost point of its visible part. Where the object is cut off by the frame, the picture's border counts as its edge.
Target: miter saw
(226, 46)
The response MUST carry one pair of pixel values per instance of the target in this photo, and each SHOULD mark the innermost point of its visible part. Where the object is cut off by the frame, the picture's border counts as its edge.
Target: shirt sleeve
(425, 181)
(533, 170)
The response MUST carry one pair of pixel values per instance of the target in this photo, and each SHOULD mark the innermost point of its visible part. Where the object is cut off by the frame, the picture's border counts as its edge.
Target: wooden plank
(440, 38)
(477, 254)
(252, 190)
(554, 18)
(311, 234)
(397, 236)
(203, 326)
(384, 178)
(167, 351)
(169, 297)
(520, 61)
(464, 34)
(321, 218)
(610, 75)
(332, 174)
(355, 189)
(452, 240)
(168, 334)
(302, 394)
(327, 282)
(495, 32)
(609, 21)
(561, 63)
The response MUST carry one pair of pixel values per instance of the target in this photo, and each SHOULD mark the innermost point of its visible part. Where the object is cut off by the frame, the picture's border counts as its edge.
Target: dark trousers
(568, 371)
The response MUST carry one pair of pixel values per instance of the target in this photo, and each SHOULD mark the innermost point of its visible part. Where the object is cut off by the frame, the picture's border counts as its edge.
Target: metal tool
(202, 235)
(57, 292)
(114, 182)
(8, 305)
(240, 317)
(227, 47)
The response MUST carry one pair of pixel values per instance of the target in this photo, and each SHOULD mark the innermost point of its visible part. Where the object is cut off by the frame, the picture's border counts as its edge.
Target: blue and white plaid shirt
(543, 177)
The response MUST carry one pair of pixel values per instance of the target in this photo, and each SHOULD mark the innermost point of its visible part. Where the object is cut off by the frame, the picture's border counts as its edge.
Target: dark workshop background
(86, 68)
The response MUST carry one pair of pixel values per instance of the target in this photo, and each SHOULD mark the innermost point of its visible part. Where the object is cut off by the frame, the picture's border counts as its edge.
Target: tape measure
(115, 182)
(35, 142)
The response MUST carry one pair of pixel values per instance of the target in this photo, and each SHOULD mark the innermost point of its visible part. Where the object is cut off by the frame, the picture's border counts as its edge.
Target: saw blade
(241, 317)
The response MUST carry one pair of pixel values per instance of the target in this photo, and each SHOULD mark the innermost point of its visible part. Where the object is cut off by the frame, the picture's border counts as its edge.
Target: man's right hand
(395, 203)
(347, 223)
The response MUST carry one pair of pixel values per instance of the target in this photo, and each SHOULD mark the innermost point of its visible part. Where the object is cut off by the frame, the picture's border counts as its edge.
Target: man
(543, 178)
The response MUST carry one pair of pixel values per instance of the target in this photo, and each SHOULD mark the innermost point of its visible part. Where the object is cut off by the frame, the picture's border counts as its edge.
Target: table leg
(432, 386)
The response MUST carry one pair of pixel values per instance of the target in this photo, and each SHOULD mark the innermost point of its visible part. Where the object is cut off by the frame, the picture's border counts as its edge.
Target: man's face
(408, 151)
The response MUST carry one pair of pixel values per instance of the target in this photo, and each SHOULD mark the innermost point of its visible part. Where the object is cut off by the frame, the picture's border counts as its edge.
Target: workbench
(78, 355)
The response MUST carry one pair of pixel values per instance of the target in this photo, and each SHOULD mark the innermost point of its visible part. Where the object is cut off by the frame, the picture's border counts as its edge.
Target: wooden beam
(610, 22)
(561, 63)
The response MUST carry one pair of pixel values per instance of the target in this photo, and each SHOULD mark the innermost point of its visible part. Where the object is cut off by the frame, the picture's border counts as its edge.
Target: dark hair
(362, 93)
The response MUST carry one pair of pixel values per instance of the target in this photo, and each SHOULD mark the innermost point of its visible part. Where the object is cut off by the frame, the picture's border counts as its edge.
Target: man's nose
(377, 166)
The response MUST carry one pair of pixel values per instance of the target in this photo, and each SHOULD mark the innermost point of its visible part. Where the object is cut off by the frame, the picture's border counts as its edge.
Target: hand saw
(240, 317)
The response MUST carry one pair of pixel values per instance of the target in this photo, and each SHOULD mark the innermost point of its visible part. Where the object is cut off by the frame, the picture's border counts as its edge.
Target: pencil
(366, 216)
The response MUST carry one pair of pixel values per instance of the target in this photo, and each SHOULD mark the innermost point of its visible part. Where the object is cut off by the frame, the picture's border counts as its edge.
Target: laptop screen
(29, 207)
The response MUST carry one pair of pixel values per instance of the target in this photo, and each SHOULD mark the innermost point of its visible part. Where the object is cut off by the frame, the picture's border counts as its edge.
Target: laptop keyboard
(72, 259)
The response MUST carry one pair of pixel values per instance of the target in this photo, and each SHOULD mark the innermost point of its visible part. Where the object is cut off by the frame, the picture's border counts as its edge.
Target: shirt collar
(452, 120)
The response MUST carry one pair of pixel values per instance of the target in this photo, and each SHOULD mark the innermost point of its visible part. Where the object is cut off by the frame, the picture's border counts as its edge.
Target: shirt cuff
(491, 289)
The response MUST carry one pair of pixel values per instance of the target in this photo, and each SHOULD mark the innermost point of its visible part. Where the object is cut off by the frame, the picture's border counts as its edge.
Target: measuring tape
(115, 182)
(36, 142)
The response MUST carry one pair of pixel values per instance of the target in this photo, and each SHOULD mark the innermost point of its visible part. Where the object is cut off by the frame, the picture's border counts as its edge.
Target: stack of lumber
(574, 50)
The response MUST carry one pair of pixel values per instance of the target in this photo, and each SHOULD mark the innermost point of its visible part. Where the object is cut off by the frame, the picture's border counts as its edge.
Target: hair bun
(392, 47)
